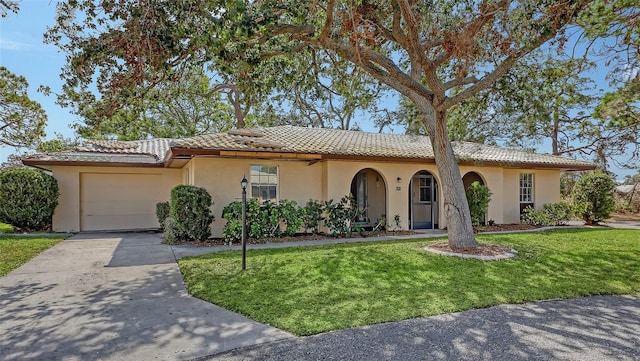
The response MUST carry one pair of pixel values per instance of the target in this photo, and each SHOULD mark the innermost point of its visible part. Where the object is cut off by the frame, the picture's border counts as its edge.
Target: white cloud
(15, 45)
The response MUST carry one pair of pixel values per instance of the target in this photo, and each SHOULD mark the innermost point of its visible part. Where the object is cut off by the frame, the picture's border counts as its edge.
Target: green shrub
(551, 214)
(341, 217)
(291, 215)
(534, 217)
(6, 228)
(190, 213)
(162, 212)
(312, 216)
(267, 225)
(267, 220)
(232, 231)
(559, 213)
(264, 221)
(28, 199)
(478, 198)
(172, 233)
(593, 197)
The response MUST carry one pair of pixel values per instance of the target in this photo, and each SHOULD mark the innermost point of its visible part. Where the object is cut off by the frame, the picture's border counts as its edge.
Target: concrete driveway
(113, 297)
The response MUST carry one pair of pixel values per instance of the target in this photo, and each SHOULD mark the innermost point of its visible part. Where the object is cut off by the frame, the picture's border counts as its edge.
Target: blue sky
(23, 52)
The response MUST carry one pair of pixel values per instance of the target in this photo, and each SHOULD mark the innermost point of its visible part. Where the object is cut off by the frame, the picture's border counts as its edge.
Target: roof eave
(527, 165)
(177, 152)
(39, 163)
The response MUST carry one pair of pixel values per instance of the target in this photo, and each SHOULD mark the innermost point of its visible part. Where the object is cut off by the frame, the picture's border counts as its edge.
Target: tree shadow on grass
(601, 327)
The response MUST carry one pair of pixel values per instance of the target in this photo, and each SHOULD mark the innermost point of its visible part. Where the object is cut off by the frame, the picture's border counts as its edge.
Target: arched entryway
(370, 192)
(467, 181)
(423, 201)
(471, 177)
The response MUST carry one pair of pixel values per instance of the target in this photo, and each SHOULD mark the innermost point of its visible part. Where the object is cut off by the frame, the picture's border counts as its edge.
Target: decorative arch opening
(471, 177)
(369, 190)
(423, 201)
(467, 181)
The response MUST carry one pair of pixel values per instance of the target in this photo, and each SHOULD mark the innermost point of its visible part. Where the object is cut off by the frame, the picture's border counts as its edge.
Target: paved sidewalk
(184, 251)
(591, 328)
(113, 297)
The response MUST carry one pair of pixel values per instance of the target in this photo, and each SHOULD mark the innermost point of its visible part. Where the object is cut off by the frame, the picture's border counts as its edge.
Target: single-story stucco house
(115, 185)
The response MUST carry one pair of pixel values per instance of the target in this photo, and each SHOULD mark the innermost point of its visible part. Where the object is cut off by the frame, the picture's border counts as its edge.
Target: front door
(360, 192)
(423, 201)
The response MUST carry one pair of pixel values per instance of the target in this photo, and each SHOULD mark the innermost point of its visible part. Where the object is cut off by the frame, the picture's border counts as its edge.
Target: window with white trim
(264, 182)
(425, 189)
(526, 188)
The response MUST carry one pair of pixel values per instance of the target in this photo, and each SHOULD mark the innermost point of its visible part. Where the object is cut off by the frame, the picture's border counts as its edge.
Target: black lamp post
(244, 183)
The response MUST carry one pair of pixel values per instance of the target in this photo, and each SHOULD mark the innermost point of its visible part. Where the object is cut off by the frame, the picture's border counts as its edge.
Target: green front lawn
(316, 289)
(16, 251)
(5, 228)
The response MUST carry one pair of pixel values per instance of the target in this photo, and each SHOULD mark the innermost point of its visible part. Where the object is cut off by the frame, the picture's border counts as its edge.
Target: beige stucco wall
(546, 189)
(221, 177)
(66, 217)
(324, 180)
(341, 172)
(300, 182)
(493, 177)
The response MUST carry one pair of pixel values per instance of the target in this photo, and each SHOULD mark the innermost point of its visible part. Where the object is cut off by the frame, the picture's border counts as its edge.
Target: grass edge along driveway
(18, 250)
(309, 290)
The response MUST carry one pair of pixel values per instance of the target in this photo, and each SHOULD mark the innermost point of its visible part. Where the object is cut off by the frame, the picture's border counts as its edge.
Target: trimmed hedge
(189, 214)
(28, 198)
(162, 212)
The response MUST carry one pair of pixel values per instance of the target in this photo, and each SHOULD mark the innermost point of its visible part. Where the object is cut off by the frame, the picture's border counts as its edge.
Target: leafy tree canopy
(7, 6)
(435, 53)
(22, 120)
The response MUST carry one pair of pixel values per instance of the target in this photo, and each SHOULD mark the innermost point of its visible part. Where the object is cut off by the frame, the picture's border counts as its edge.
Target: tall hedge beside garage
(189, 214)
(28, 198)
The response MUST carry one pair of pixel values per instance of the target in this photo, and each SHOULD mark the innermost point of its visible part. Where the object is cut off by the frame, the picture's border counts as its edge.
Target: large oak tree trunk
(456, 208)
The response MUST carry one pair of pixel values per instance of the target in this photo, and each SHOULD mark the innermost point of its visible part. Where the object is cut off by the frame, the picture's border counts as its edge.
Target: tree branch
(458, 82)
(379, 66)
(327, 24)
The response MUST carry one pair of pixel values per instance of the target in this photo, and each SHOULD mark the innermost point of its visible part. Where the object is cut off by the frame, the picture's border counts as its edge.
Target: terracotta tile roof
(151, 151)
(157, 147)
(290, 139)
(478, 153)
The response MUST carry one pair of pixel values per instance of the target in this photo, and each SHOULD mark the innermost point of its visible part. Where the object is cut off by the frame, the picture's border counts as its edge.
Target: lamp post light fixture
(244, 183)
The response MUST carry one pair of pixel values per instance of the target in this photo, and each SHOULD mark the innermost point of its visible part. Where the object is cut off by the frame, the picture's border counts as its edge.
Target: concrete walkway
(113, 297)
(185, 251)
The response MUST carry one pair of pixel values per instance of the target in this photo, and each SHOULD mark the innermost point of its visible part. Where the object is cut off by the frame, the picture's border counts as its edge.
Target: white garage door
(119, 201)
